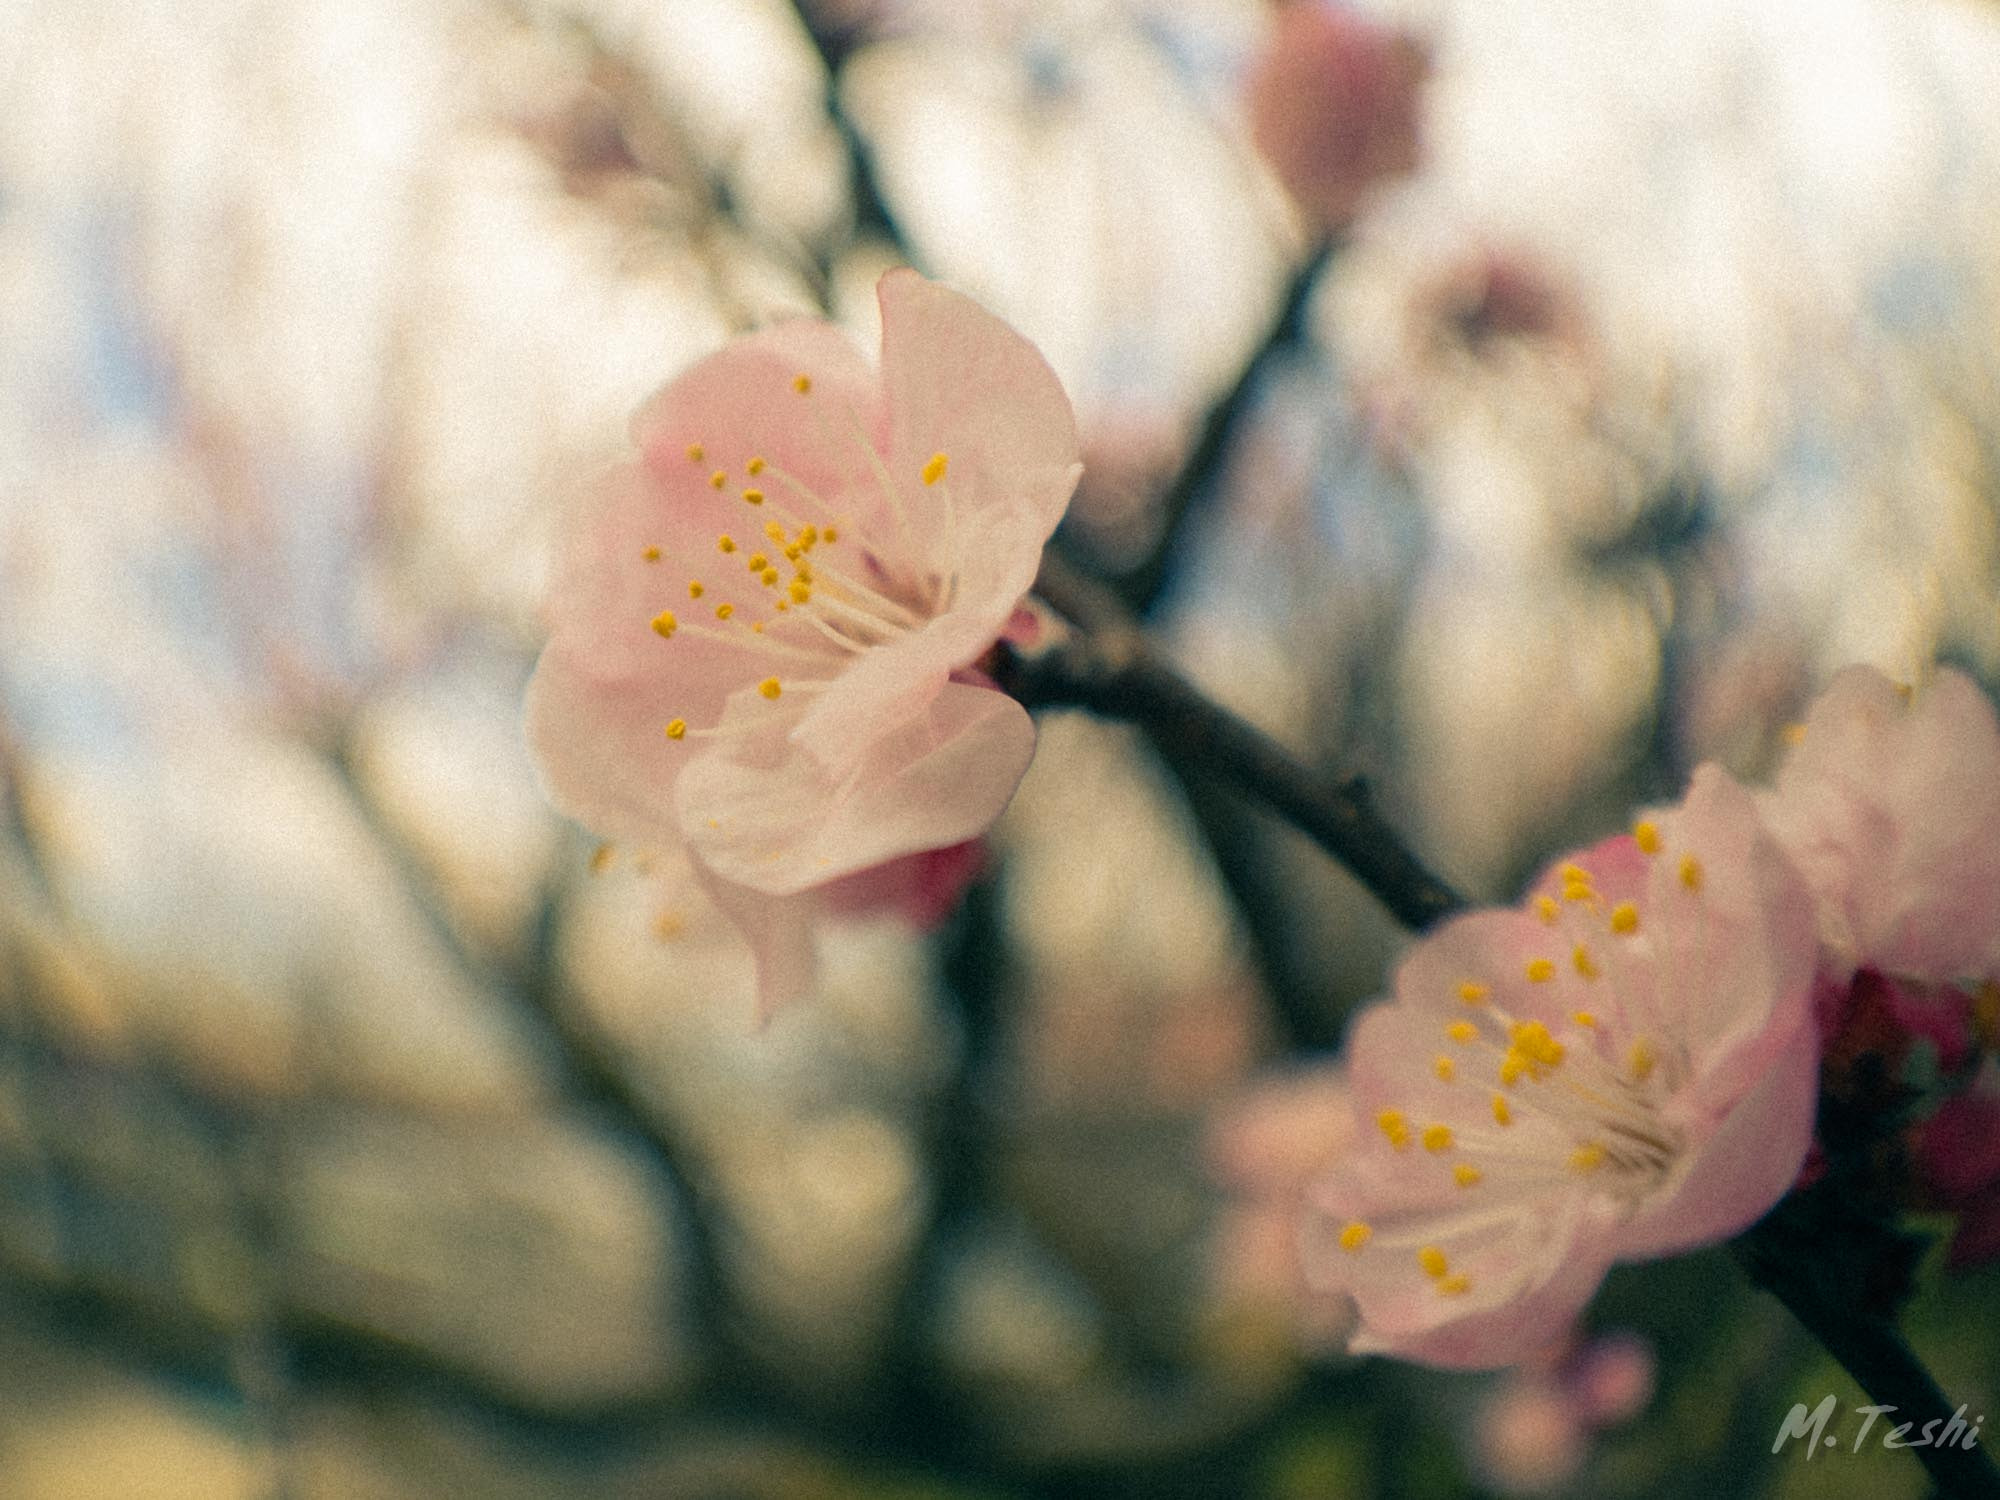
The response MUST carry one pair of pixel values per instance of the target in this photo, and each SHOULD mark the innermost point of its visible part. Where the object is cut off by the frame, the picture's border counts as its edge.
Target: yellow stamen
(1573, 874)
(934, 470)
(757, 562)
(1642, 1060)
(1454, 1286)
(1793, 734)
(1466, 1175)
(651, 554)
(1437, 1138)
(1586, 1019)
(802, 383)
(799, 591)
(725, 543)
(677, 729)
(769, 687)
(1690, 872)
(1503, 1112)
(1355, 1235)
(1512, 1066)
(1547, 908)
(1578, 890)
(1472, 992)
(669, 925)
(717, 480)
(769, 578)
(753, 497)
(664, 624)
(724, 611)
(1433, 1262)
(1445, 1068)
(831, 534)
(1647, 834)
(695, 453)
(1625, 918)
(1541, 970)
(755, 466)
(1532, 1039)
(1586, 1158)
(1584, 963)
(695, 589)
(1462, 1032)
(1392, 1124)
(775, 532)
(601, 858)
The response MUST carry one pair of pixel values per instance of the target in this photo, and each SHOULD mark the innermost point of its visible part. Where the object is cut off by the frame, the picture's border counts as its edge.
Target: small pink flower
(1889, 803)
(1266, 1148)
(1334, 103)
(1620, 1069)
(764, 627)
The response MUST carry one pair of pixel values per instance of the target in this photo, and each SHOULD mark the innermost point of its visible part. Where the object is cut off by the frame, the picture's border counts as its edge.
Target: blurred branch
(871, 208)
(1109, 668)
(1141, 586)
(587, 1062)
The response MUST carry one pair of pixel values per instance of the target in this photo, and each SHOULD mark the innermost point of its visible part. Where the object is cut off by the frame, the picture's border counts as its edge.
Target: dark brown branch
(1109, 668)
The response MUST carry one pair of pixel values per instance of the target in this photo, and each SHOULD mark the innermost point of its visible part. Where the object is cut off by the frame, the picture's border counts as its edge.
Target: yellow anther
(1462, 1032)
(775, 532)
(651, 554)
(1533, 1041)
(1454, 1286)
(831, 534)
(1579, 890)
(677, 729)
(1587, 1019)
(755, 466)
(1445, 1068)
(1512, 1066)
(1584, 964)
(769, 578)
(934, 470)
(783, 605)
(1354, 1236)
(1647, 835)
(769, 687)
(803, 570)
(1541, 970)
(1433, 1262)
(669, 925)
(725, 544)
(1642, 1060)
(802, 383)
(1437, 1138)
(724, 611)
(793, 552)
(718, 479)
(753, 497)
(1392, 1124)
(1625, 918)
(1574, 874)
(1503, 1112)
(1472, 992)
(1586, 1158)
(1466, 1175)
(800, 591)
(695, 453)
(695, 590)
(1548, 909)
(664, 624)
(757, 562)
(1793, 734)
(601, 858)
(1690, 872)
(758, 628)
(808, 536)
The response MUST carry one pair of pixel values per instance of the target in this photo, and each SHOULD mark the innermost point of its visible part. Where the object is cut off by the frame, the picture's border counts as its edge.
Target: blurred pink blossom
(1266, 1148)
(764, 628)
(1623, 1068)
(1334, 103)
(1533, 1433)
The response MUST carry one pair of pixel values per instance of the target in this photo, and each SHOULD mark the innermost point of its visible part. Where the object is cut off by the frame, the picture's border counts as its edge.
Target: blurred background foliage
(364, 1132)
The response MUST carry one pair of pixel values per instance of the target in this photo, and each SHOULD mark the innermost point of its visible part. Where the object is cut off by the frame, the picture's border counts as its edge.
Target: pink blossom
(1620, 1069)
(764, 626)
(1266, 1149)
(1334, 105)
(1889, 803)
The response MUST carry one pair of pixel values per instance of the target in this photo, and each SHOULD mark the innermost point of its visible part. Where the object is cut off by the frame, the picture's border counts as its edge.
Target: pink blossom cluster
(1627, 1064)
(765, 627)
